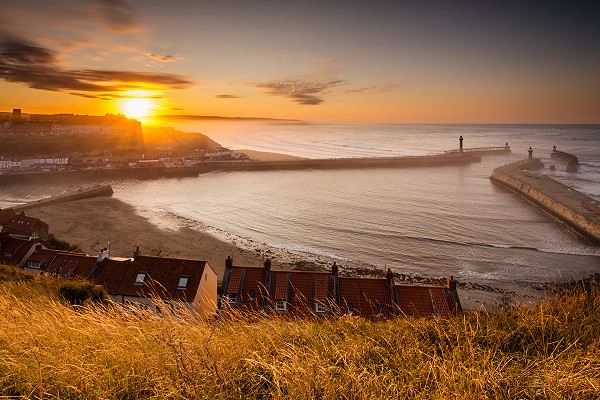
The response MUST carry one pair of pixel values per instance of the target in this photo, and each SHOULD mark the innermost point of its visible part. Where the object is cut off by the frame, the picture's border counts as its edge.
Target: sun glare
(138, 107)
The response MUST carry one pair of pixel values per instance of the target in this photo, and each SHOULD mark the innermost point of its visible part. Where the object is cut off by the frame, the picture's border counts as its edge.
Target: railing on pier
(481, 150)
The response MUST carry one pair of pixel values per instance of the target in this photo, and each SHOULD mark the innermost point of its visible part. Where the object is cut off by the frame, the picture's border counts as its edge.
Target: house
(422, 301)
(244, 287)
(15, 249)
(368, 297)
(138, 282)
(303, 293)
(39, 260)
(20, 224)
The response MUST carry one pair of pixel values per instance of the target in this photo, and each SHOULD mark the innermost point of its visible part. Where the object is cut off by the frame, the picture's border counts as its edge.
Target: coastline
(93, 223)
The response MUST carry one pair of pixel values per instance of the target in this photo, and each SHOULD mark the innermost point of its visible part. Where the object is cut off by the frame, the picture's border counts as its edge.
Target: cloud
(227, 96)
(373, 89)
(165, 58)
(22, 61)
(302, 91)
(118, 15)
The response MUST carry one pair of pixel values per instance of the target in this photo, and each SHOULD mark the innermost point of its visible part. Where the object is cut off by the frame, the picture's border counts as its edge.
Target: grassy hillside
(49, 349)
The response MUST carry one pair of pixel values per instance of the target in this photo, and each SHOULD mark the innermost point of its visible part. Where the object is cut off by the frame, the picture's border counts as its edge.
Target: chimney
(4, 235)
(460, 140)
(136, 251)
(336, 284)
(225, 282)
(334, 269)
(452, 285)
(389, 281)
(103, 254)
(530, 153)
(267, 283)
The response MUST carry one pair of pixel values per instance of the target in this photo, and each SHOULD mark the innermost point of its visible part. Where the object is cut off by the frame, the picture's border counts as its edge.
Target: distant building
(69, 124)
(260, 289)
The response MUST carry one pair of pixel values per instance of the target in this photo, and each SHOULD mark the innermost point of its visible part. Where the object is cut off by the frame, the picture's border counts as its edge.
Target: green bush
(79, 292)
(14, 274)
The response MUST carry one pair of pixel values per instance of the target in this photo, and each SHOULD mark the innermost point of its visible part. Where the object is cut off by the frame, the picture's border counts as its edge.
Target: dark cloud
(165, 58)
(22, 61)
(227, 96)
(305, 92)
(118, 15)
(373, 89)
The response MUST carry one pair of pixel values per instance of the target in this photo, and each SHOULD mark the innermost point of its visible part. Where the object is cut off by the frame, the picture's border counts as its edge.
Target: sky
(320, 61)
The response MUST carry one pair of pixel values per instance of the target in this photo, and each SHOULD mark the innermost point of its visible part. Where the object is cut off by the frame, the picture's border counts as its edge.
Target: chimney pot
(268, 264)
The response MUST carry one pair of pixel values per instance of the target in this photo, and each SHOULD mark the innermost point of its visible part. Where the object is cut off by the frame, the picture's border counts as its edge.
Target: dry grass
(49, 349)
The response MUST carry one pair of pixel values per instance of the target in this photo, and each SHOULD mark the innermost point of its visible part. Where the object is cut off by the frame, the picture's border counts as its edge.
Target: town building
(250, 289)
(15, 249)
(21, 224)
(154, 283)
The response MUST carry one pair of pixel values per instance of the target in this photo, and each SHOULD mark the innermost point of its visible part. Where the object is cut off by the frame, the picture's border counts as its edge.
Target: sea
(426, 221)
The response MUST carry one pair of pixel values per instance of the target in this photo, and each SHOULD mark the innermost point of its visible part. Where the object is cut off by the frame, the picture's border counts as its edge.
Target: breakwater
(572, 160)
(213, 166)
(481, 150)
(98, 174)
(578, 211)
(95, 191)
(339, 163)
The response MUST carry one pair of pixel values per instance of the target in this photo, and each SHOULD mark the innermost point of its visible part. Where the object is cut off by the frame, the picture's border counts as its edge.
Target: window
(379, 309)
(140, 278)
(33, 264)
(252, 295)
(281, 305)
(320, 307)
(350, 308)
(231, 298)
(183, 282)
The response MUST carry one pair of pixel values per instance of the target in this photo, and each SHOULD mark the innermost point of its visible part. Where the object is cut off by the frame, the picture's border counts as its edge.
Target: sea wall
(578, 211)
(212, 166)
(339, 163)
(96, 191)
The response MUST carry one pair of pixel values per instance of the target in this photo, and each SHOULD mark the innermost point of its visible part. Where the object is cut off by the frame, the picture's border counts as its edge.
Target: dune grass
(50, 349)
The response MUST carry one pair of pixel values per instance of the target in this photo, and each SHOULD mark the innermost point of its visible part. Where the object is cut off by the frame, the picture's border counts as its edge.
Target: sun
(138, 107)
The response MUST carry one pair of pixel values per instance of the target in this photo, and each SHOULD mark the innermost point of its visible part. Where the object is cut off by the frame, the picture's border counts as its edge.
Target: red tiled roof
(162, 279)
(301, 289)
(365, 294)
(235, 279)
(25, 222)
(71, 265)
(244, 281)
(6, 215)
(281, 285)
(14, 249)
(43, 254)
(421, 301)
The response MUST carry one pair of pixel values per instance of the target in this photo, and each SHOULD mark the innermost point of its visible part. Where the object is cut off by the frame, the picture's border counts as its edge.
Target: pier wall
(566, 204)
(212, 166)
(339, 163)
(96, 191)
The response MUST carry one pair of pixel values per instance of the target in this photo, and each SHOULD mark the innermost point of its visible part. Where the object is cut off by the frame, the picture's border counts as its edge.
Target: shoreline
(93, 223)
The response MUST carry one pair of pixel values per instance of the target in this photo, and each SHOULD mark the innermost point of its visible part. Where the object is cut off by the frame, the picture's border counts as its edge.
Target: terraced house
(252, 289)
